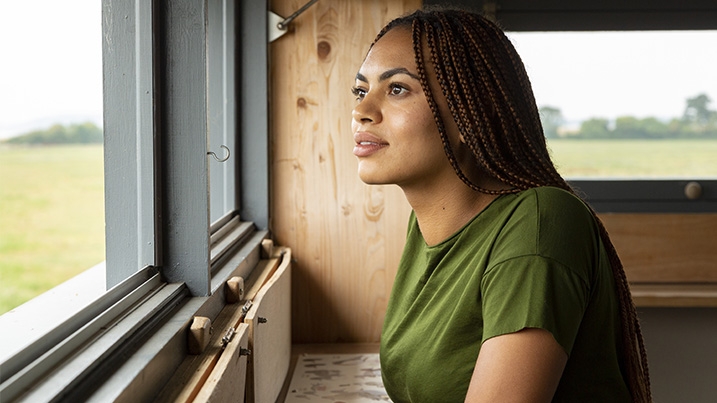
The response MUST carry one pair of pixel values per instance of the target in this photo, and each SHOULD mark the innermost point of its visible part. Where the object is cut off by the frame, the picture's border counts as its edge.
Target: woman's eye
(397, 89)
(359, 93)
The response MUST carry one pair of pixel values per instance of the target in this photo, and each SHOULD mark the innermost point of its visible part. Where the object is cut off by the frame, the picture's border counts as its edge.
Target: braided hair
(490, 98)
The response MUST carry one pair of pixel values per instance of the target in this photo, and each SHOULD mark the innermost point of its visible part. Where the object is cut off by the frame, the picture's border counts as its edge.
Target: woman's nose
(366, 111)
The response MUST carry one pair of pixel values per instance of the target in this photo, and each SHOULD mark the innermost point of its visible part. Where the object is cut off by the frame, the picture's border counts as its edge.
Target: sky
(612, 74)
(52, 68)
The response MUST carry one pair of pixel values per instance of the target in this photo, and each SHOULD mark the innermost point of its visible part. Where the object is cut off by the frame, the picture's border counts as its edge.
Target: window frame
(615, 195)
(166, 262)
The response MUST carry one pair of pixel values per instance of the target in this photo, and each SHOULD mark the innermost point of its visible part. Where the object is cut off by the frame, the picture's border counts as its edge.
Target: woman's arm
(517, 367)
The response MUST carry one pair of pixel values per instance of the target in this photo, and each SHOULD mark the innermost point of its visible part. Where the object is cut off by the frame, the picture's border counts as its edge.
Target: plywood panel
(269, 322)
(346, 237)
(197, 370)
(662, 248)
(227, 381)
(187, 380)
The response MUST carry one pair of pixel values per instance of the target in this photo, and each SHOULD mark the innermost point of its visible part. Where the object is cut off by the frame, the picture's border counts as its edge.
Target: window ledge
(675, 295)
(39, 315)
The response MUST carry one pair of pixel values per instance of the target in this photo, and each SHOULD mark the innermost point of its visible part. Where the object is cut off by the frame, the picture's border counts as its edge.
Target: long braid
(490, 98)
(633, 345)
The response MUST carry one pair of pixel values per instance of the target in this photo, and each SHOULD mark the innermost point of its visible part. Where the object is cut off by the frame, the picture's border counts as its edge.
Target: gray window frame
(165, 99)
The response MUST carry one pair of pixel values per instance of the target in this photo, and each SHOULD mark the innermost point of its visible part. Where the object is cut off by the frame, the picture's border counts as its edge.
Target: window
(629, 115)
(179, 222)
(626, 104)
(548, 27)
(51, 177)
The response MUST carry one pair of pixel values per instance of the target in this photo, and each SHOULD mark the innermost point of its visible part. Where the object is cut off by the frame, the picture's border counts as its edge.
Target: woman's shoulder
(554, 204)
(553, 196)
(553, 224)
(549, 221)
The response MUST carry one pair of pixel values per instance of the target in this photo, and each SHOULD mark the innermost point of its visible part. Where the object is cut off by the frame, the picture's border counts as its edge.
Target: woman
(509, 288)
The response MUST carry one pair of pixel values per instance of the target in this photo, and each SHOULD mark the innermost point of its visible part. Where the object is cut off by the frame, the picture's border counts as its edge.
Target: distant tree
(654, 128)
(595, 128)
(697, 110)
(629, 127)
(84, 133)
(698, 120)
(551, 119)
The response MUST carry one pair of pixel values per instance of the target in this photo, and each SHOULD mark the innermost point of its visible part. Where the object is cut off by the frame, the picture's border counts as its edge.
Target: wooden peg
(234, 290)
(199, 333)
(267, 249)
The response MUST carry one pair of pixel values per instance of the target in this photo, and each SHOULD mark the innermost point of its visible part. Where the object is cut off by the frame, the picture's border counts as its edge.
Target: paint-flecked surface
(337, 378)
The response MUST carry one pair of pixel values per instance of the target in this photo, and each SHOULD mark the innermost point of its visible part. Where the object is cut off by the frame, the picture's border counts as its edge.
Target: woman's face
(397, 140)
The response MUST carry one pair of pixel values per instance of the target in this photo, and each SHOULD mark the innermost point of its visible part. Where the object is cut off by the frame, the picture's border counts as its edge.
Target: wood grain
(346, 236)
(269, 321)
(665, 248)
(675, 295)
(227, 381)
(195, 370)
(188, 379)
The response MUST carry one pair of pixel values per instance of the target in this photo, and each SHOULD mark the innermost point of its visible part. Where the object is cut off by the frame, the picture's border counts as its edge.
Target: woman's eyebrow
(398, 70)
(388, 74)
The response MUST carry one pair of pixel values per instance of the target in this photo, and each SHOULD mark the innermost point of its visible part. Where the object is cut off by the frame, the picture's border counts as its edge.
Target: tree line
(82, 133)
(698, 121)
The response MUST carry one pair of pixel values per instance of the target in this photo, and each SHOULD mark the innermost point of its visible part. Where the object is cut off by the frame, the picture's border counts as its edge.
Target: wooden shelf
(675, 295)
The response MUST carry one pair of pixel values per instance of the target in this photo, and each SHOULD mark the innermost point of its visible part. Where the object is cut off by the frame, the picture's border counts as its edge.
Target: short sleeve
(533, 292)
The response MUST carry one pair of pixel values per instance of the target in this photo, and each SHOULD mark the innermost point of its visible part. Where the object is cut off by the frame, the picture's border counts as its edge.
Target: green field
(51, 217)
(635, 158)
(52, 201)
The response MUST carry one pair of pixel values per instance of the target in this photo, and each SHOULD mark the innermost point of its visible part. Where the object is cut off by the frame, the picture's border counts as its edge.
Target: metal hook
(284, 24)
(215, 155)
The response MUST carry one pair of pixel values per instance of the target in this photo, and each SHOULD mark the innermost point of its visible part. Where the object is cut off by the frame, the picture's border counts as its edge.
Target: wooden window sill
(675, 295)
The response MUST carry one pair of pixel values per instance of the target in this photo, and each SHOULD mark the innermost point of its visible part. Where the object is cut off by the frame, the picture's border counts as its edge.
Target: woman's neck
(442, 211)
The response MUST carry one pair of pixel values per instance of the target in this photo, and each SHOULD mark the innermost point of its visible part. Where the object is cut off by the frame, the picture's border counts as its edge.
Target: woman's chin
(371, 181)
(371, 178)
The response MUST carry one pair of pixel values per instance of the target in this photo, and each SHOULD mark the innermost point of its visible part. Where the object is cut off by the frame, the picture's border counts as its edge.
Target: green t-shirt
(529, 260)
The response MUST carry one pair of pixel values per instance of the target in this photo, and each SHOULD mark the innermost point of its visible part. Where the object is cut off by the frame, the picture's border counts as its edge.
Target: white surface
(337, 378)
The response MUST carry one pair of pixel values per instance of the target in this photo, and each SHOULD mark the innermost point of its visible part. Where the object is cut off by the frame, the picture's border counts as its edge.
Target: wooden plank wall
(666, 248)
(347, 237)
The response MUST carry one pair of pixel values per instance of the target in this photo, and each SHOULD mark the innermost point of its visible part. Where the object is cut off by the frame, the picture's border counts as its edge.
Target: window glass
(626, 105)
(222, 109)
(51, 157)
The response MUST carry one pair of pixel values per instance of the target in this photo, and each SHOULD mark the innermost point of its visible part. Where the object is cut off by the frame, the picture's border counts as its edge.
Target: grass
(635, 158)
(51, 217)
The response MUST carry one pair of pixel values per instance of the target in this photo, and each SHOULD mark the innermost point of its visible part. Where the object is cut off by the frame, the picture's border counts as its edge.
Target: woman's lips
(367, 144)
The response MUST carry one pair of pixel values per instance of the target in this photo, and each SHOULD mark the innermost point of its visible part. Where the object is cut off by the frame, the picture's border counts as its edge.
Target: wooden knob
(693, 190)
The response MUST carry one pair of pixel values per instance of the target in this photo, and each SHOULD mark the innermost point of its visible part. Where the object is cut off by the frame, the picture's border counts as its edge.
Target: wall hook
(215, 155)
(278, 25)
(284, 24)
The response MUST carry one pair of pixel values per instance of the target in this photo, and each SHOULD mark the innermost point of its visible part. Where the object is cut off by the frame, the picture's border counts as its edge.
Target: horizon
(584, 74)
(55, 69)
